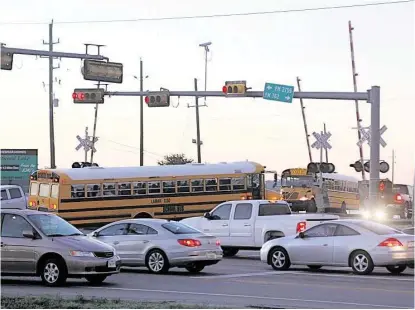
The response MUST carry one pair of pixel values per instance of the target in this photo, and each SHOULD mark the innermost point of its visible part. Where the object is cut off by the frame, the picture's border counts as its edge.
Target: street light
(206, 47)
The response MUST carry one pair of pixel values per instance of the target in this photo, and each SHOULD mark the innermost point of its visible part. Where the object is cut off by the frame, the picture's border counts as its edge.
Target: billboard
(17, 165)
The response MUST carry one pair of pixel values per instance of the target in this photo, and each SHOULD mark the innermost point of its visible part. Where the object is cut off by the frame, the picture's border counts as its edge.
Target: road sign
(86, 144)
(278, 92)
(321, 141)
(366, 137)
(102, 71)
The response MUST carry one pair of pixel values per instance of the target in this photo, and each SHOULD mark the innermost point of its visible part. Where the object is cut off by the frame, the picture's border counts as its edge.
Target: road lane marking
(352, 276)
(245, 296)
(239, 275)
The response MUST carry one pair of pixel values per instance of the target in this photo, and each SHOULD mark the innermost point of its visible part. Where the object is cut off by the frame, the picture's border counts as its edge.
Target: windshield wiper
(77, 234)
(56, 235)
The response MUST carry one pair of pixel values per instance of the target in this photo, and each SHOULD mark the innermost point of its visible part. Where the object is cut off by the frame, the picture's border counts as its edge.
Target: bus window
(124, 189)
(108, 189)
(238, 183)
(78, 191)
(211, 185)
(169, 187)
(93, 190)
(197, 185)
(225, 184)
(139, 188)
(183, 186)
(44, 190)
(154, 187)
(34, 189)
(55, 191)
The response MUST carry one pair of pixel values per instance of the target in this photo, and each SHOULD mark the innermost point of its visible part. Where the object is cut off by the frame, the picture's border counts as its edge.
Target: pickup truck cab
(248, 224)
(12, 197)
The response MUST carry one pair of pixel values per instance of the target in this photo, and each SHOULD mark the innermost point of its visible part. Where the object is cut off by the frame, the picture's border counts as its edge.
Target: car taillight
(398, 198)
(390, 242)
(218, 242)
(301, 227)
(189, 242)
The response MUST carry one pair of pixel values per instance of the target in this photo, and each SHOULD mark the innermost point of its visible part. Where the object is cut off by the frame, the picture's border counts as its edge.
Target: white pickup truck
(248, 224)
(12, 197)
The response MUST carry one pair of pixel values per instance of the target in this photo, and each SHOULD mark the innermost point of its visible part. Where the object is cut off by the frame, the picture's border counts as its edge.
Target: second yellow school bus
(93, 196)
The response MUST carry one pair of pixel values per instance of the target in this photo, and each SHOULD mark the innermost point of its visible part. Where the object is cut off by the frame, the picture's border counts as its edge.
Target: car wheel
(229, 252)
(396, 269)
(53, 272)
(96, 278)
(362, 263)
(279, 259)
(195, 268)
(314, 267)
(157, 262)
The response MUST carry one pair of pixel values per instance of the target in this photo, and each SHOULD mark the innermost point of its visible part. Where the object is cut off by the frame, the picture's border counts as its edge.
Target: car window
(267, 209)
(4, 195)
(243, 211)
(377, 228)
(137, 229)
(222, 213)
(14, 225)
(324, 230)
(179, 228)
(15, 193)
(345, 231)
(114, 230)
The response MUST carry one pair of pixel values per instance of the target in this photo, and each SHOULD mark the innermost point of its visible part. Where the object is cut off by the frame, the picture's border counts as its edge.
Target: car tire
(195, 268)
(229, 252)
(157, 262)
(396, 269)
(53, 272)
(96, 278)
(314, 267)
(279, 259)
(362, 263)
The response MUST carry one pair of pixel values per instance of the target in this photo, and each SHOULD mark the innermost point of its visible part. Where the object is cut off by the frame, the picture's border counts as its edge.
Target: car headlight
(81, 254)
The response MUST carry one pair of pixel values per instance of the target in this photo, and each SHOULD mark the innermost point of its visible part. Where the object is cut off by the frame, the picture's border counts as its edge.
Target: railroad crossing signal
(278, 92)
(102, 71)
(320, 167)
(6, 59)
(158, 99)
(321, 141)
(365, 134)
(86, 144)
(88, 95)
(234, 88)
(84, 164)
(358, 167)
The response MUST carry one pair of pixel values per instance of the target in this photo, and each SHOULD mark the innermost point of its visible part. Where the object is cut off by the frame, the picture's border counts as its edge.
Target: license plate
(410, 244)
(112, 263)
(211, 255)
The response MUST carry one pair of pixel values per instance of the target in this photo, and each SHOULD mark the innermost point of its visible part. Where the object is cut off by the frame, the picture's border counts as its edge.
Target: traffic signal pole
(199, 155)
(372, 96)
(141, 116)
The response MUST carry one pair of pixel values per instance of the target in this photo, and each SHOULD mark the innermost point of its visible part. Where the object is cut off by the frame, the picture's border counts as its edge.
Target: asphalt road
(243, 281)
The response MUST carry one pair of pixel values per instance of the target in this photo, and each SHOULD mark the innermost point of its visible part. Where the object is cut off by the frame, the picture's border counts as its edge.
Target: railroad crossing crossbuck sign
(367, 137)
(321, 141)
(86, 144)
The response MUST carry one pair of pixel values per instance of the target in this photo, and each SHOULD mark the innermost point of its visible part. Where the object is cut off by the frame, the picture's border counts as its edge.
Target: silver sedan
(359, 244)
(160, 244)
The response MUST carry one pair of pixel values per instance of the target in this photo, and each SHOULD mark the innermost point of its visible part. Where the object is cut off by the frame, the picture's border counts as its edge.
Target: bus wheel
(343, 208)
(311, 206)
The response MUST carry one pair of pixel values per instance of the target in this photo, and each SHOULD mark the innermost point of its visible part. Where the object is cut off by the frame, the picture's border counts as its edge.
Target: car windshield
(179, 228)
(53, 226)
(377, 228)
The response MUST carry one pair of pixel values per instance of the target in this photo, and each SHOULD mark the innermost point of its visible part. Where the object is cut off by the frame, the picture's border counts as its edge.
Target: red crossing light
(147, 99)
(225, 89)
(79, 96)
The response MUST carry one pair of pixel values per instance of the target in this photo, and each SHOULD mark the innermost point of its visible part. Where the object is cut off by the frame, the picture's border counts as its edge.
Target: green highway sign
(278, 92)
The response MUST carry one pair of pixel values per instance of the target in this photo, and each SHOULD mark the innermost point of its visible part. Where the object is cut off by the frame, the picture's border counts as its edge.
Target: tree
(175, 159)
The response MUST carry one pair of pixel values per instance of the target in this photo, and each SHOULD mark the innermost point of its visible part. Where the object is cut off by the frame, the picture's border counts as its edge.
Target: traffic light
(88, 95)
(234, 88)
(158, 99)
(320, 167)
(84, 164)
(383, 166)
(6, 59)
(358, 167)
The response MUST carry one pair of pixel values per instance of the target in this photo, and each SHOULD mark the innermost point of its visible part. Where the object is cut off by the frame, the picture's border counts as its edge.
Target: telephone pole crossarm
(23, 51)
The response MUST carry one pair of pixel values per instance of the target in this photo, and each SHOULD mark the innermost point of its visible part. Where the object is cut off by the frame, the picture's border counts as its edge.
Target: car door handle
(224, 225)
(247, 225)
(116, 242)
(325, 244)
(146, 241)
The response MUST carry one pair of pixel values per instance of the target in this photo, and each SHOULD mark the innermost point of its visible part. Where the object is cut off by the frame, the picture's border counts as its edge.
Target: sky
(276, 48)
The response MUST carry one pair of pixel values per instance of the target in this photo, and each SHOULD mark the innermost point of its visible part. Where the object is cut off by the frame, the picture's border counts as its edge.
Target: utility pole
(327, 153)
(307, 136)
(393, 167)
(51, 120)
(358, 120)
(86, 138)
(141, 116)
(198, 143)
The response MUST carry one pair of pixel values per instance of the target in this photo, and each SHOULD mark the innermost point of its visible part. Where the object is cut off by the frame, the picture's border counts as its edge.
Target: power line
(215, 15)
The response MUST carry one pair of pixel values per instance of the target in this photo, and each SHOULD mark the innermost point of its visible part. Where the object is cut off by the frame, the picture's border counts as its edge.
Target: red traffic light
(79, 96)
(225, 89)
(147, 99)
(381, 186)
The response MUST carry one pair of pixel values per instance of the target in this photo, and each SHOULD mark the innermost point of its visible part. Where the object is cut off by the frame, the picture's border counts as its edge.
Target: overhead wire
(215, 15)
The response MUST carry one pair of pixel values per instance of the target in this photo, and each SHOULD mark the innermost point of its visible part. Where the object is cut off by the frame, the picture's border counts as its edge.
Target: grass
(80, 302)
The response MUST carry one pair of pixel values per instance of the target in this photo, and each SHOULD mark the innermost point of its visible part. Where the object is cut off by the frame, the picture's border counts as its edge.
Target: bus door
(255, 186)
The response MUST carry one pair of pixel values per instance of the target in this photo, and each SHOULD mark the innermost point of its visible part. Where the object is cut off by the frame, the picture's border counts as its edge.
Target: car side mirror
(95, 234)
(29, 234)
(207, 216)
(301, 235)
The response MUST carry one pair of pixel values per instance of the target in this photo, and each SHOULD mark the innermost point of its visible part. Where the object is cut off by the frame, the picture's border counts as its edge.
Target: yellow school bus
(93, 196)
(300, 189)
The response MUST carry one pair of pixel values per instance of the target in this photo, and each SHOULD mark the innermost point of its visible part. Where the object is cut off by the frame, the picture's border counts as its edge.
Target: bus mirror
(275, 176)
